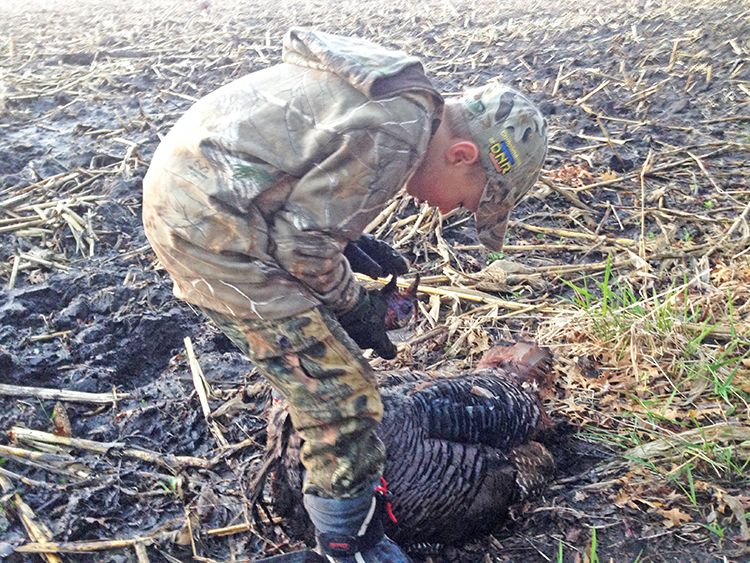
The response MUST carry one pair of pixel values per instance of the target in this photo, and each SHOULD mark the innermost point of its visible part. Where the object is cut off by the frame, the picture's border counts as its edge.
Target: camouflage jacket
(252, 196)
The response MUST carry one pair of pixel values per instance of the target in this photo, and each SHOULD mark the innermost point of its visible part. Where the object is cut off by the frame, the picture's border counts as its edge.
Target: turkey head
(402, 303)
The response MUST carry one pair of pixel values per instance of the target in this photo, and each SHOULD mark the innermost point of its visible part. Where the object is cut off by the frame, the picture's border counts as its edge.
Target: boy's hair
(455, 122)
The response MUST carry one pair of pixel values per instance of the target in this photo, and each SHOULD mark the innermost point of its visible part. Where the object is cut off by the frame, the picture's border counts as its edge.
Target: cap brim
(492, 222)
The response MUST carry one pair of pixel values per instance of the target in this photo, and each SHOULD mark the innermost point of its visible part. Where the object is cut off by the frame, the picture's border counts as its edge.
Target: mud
(110, 321)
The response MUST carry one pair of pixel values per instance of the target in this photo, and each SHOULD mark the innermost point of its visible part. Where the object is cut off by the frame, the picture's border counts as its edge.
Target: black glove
(365, 323)
(375, 258)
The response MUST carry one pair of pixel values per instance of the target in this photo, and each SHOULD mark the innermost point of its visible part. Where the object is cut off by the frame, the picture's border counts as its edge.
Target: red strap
(383, 490)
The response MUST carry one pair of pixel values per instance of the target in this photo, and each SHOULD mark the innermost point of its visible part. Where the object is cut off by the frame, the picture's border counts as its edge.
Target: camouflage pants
(333, 398)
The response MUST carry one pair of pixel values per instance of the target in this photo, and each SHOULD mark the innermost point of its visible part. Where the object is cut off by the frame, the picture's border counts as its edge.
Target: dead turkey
(461, 449)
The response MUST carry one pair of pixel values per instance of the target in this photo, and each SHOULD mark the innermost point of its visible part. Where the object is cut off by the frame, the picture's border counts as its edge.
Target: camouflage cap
(511, 135)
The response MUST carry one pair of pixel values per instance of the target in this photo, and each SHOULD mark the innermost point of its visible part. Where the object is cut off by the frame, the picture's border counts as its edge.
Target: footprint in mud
(89, 332)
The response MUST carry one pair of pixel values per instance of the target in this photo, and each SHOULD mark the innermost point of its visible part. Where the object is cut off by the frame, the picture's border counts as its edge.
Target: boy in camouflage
(256, 201)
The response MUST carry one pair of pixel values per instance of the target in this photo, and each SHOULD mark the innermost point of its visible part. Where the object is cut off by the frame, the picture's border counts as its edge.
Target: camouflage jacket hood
(251, 197)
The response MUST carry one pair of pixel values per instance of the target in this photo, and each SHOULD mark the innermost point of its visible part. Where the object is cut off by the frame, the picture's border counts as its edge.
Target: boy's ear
(462, 152)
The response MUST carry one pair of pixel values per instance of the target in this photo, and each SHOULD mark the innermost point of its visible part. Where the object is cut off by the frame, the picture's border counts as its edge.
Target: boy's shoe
(384, 551)
(351, 530)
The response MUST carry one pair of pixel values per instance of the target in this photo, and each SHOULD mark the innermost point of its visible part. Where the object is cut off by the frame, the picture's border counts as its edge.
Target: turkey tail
(535, 466)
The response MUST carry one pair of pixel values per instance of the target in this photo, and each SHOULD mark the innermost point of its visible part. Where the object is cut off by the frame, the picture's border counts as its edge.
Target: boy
(255, 203)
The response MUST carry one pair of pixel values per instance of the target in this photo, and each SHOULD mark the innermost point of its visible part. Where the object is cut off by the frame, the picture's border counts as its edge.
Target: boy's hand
(375, 258)
(365, 323)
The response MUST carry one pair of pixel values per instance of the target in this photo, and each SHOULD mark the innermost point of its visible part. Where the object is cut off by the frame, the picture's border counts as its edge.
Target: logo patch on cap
(476, 107)
(503, 154)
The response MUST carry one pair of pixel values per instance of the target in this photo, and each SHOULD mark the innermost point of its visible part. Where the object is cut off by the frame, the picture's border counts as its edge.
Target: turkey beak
(411, 291)
(390, 287)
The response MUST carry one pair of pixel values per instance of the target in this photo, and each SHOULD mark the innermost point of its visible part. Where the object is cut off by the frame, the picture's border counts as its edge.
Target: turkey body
(460, 452)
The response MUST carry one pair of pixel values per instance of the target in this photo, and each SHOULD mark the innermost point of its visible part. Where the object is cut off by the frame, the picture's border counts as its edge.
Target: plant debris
(134, 430)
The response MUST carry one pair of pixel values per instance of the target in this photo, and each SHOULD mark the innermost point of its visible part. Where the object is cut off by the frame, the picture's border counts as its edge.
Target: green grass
(715, 529)
(688, 487)
(615, 307)
(492, 256)
(674, 361)
(618, 313)
(593, 555)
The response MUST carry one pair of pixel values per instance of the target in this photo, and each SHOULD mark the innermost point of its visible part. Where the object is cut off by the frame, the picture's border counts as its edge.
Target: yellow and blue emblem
(503, 154)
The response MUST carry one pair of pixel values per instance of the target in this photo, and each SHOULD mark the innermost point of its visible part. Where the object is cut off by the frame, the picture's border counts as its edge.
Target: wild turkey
(461, 449)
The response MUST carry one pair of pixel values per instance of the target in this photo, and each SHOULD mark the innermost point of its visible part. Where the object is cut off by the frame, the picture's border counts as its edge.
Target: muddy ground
(86, 89)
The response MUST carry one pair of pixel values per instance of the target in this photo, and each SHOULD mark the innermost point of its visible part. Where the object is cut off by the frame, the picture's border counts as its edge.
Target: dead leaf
(573, 535)
(739, 511)
(608, 176)
(572, 175)
(434, 314)
(623, 498)
(420, 386)
(638, 262)
(656, 195)
(674, 518)
(501, 275)
(184, 534)
(61, 420)
(482, 392)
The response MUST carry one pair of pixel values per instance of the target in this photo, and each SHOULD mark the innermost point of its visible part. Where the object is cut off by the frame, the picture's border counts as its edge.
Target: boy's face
(447, 192)
(450, 175)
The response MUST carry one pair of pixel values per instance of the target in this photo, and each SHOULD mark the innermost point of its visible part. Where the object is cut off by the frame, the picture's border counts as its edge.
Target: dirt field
(646, 182)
